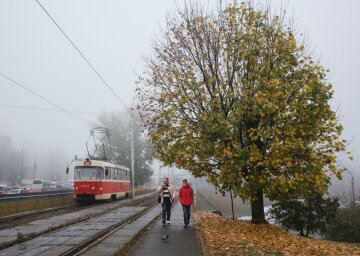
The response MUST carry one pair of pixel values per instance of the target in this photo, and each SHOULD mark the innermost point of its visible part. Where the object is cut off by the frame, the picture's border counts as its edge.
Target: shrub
(307, 216)
(346, 225)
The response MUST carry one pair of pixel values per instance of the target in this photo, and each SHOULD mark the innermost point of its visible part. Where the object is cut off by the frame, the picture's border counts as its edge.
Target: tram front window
(88, 173)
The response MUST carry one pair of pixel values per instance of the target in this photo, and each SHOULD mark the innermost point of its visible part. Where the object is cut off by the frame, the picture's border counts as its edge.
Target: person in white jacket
(167, 195)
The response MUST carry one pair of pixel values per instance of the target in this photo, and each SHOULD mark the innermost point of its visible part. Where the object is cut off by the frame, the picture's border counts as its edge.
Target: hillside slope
(223, 236)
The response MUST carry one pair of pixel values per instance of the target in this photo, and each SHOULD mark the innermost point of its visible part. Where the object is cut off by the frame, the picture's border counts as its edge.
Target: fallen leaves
(236, 237)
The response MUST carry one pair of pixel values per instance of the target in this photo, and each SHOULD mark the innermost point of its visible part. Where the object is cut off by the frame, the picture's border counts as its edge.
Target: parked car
(4, 189)
(16, 191)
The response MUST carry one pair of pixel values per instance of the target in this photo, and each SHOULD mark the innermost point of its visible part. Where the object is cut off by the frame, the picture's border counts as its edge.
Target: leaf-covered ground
(223, 236)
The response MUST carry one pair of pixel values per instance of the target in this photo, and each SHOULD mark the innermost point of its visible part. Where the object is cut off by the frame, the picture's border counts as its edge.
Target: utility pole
(35, 167)
(132, 163)
(159, 172)
(22, 158)
(51, 168)
(352, 187)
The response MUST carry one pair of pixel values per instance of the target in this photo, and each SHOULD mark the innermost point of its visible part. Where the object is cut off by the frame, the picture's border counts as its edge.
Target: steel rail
(94, 240)
(85, 219)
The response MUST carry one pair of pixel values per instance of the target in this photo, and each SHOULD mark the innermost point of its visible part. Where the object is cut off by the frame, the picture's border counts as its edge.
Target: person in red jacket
(186, 197)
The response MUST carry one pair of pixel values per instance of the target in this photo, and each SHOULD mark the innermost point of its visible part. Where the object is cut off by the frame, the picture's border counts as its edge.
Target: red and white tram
(100, 180)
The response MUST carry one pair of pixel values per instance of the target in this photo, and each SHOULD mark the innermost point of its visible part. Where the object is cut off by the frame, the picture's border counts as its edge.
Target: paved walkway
(182, 241)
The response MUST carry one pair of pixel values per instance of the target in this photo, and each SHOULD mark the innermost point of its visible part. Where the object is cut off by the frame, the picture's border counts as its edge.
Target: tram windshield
(88, 173)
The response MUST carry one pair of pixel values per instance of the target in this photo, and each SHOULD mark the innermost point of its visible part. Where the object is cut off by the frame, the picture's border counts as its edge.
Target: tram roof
(101, 163)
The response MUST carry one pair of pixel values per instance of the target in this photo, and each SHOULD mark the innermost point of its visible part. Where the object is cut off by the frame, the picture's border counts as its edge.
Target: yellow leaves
(230, 153)
(307, 88)
(261, 180)
(278, 94)
(318, 180)
(298, 177)
(338, 175)
(292, 42)
(198, 19)
(312, 155)
(260, 100)
(223, 236)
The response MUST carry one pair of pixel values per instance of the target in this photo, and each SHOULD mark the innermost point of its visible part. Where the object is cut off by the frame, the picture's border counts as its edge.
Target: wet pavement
(181, 241)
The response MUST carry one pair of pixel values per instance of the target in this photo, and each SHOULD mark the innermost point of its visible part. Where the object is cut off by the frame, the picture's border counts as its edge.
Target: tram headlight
(77, 188)
(92, 188)
(100, 188)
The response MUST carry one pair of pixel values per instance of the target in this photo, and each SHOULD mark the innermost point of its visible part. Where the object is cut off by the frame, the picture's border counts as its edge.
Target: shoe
(163, 222)
(168, 222)
(186, 226)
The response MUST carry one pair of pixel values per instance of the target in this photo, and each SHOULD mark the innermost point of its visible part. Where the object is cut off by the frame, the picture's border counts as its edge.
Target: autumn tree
(234, 96)
(121, 125)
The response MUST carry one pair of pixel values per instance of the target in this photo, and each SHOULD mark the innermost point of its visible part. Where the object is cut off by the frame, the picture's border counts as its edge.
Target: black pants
(187, 211)
(166, 210)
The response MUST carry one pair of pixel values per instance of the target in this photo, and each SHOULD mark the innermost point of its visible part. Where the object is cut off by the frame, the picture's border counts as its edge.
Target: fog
(114, 36)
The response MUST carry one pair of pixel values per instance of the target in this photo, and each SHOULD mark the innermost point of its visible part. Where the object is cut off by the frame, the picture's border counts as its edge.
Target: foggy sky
(114, 36)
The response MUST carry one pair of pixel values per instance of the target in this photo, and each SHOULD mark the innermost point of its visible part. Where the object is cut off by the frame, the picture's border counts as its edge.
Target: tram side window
(116, 173)
(123, 175)
(107, 174)
(112, 173)
(120, 174)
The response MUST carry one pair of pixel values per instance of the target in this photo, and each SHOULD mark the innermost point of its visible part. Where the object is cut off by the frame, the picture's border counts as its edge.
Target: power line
(83, 56)
(107, 86)
(44, 109)
(43, 98)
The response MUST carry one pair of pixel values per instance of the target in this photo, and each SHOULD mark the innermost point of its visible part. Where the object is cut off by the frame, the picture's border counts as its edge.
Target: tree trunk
(232, 205)
(257, 207)
(302, 232)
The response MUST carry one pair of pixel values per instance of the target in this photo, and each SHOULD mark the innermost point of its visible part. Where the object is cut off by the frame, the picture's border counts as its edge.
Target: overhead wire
(102, 79)
(43, 98)
(83, 56)
(43, 109)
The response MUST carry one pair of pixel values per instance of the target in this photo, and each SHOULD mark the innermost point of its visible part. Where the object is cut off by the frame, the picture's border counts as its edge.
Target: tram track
(53, 229)
(92, 241)
(74, 239)
(23, 218)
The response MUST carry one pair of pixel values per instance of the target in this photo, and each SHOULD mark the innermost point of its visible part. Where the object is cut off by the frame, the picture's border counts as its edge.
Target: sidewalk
(182, 241)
